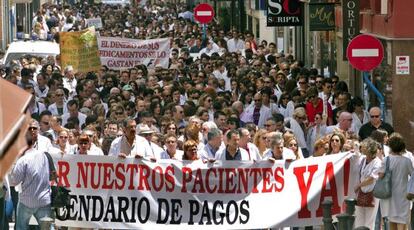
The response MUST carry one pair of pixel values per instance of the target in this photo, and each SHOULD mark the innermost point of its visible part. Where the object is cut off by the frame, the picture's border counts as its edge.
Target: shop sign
(322, 16)
(284, 13)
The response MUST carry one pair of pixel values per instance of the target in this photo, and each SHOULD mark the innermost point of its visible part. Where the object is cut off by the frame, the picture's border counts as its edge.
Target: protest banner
(108, 192)
(116, 2)
(119, 53)
(94, 22)
(80, 50)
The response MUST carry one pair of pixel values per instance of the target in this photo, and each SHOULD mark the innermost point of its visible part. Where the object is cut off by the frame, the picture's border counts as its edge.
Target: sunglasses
(83, 143)
(302, 82)
(119, 113)
(375, 116)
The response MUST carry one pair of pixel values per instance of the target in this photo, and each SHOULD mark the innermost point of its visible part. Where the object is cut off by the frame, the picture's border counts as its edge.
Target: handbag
(382, 188)
(60, 194)
(364, 199)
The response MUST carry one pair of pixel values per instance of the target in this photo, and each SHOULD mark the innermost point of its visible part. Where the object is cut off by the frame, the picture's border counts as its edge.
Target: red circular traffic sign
(203, 13)
(365, 52)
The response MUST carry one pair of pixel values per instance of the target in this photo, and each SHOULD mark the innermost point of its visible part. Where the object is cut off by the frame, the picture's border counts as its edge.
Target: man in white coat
(257, 113)
(214, 144)
(245, 144)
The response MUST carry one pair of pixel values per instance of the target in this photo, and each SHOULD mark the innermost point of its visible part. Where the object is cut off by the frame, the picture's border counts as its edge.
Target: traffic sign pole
(204, 31)
(377, 92)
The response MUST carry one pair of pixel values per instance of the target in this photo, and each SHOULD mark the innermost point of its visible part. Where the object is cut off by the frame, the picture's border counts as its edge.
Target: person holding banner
(171, 151)
(122, 146)
(277, 150)
(190, 151)
(232, 150)
(336, 143)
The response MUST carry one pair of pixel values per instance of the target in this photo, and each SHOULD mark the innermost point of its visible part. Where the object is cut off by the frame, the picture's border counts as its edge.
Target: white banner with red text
(124, 53)
(108, 192)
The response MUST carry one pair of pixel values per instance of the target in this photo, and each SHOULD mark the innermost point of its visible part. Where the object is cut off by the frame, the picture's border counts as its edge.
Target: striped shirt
(32, 171)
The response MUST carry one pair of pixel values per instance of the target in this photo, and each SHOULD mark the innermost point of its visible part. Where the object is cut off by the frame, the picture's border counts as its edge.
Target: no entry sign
(365, 52)
(203, 13)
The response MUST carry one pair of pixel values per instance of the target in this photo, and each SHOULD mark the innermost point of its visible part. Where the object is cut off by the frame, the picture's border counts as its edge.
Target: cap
(144, 129)
(127, 88)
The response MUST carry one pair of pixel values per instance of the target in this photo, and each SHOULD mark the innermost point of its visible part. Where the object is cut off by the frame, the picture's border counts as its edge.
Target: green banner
(322, 16)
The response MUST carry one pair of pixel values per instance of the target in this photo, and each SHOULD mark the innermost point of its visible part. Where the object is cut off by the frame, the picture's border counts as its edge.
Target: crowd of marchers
(227, 96)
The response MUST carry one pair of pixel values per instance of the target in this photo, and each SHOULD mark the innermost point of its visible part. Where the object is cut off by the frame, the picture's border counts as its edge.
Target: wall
(402, 86)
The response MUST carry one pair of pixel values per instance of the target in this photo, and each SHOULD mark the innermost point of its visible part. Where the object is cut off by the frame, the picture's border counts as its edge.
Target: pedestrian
(32, 171)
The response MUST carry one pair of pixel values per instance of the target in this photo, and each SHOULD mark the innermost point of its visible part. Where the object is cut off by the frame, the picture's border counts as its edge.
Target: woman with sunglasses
(283, 104)
(171, 151)
(206, 102)
(336, 143)
(190, 151)
(292, 144)
(260, 141)
(62, 146)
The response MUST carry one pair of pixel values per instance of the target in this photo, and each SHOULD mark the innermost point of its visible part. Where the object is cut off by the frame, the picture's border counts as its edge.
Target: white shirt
(223, 75)
(253, 152)
(94, 150)
(70, 85)
(177, 156)
(81, 117)
(54, 110)
(207, 152)
(43, 143)
(235, 45)
(40, 93)
(287, 154)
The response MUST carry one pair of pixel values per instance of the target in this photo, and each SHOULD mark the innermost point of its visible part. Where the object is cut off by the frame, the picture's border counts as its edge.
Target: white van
(18, 49)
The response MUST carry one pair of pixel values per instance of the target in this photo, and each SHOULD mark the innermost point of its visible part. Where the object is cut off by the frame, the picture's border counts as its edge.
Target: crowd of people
(224, 97)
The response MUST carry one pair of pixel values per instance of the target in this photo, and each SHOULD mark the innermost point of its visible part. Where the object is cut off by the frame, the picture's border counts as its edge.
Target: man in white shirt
(69, 81)
(39, 142)
(41, 89)
(276, 150)
(73, 108)
(258, 113)
(214, 145)
(221, 73)
(245, 144)
(122, 146)
(235, 44)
